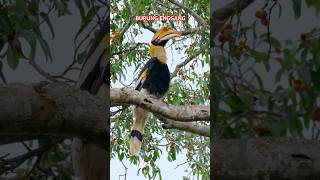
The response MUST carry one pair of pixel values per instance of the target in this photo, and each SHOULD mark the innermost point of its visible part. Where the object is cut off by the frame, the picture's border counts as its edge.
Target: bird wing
(144, 73)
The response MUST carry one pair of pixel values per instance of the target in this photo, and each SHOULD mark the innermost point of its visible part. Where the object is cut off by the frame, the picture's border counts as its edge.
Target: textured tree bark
(50, 109)
(266, 158)
(55, 109)
(89, 160)
(121, 96)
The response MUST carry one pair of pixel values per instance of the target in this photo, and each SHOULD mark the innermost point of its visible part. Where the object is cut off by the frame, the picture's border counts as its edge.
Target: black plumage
(157, 78)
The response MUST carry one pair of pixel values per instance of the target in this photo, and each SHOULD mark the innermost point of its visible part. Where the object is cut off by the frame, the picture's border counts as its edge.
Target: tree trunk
(266, 158)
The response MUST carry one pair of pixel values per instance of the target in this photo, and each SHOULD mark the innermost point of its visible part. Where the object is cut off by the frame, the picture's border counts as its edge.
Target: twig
(129, 49)
(181, 164)
(12, 163)
(35, 165)
(125, 171)
(38, 68)
(144, 25)
(199, 19)
(185, 62)
(26, 146)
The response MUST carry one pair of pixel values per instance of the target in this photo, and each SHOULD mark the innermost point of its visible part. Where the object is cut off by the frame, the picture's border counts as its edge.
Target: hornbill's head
(161, 37)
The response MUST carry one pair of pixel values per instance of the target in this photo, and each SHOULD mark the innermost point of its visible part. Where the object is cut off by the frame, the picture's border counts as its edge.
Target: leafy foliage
(267, 86)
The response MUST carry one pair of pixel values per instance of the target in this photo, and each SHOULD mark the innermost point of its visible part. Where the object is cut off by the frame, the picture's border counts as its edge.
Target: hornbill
(154, 79)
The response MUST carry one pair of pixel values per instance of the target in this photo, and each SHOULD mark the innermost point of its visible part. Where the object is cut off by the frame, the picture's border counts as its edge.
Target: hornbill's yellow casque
(154, 79)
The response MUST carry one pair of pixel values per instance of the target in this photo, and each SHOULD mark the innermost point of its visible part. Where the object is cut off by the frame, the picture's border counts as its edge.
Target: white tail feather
(140, 118)
(135, 146)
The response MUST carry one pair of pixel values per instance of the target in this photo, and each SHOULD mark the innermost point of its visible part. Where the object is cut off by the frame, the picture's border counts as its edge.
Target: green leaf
(121, 156)
(173, 154)
(155, 155)
(82, 57)
(279, 75)
(12, 57)
(1, 43)
(275, 43)
(20, 5)
(33, 8)
(315, 4)
(235, 103)
(297, 8)
(80, 7)
(145, 170)
(1, 73)
(62, 8)
(259, 56)
(315, 78)
(30, 37)
(91, 13)
(258, 79)
(277, 128)
(295, 125)
(5, 24)
(45, 47)
(46, 18)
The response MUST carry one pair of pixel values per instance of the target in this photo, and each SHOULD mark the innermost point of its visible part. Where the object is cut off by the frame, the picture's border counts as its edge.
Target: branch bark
(128, 96)
(57, 109)
(193, 127)
(51, 109)
(266, 158)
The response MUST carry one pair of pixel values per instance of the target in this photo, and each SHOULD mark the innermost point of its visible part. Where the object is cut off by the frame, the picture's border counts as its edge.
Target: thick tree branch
(193, 127)
(52, 109)
(128, 96)
(266, 158)
(56, 109)
(184, 33)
